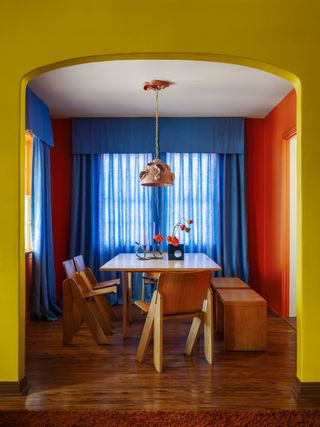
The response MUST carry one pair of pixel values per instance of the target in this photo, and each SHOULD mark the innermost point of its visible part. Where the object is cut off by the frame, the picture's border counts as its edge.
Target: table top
(130, 262)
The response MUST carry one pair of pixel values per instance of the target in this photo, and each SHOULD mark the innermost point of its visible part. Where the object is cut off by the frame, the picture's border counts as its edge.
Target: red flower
(182, 227)
(175, 241)
(158, 238)
(190, 221)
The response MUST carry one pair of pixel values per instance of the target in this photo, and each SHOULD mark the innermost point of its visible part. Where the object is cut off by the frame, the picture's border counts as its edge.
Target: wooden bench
(244, 319)
(224, 283)
(228, 283)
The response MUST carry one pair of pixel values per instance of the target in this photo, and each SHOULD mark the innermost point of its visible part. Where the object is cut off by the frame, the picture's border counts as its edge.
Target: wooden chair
(179, 295)
(79, 307)
(80, 266)
(96, 297)
(83, 280)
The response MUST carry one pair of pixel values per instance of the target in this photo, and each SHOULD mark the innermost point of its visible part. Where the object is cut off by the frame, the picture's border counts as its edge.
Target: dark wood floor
(84, 375)
(292, 322)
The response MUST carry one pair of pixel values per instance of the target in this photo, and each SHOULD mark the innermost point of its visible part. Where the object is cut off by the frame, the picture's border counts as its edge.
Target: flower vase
(157, 253)
(176, 253)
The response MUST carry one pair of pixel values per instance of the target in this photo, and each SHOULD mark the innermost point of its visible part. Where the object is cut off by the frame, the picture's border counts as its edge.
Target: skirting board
(306, 390)
(14, 388)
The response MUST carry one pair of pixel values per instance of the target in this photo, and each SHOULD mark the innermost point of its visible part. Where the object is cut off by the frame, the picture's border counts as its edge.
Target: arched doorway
(193, 57)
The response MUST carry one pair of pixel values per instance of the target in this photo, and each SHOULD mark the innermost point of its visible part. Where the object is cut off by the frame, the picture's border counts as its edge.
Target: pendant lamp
(156, 173)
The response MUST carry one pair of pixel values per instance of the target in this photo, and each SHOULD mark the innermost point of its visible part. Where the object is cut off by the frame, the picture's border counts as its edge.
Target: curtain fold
(42, 299)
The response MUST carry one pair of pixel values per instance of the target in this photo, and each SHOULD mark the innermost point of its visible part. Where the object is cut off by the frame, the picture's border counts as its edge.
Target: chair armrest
(98, 292)
(107, 284)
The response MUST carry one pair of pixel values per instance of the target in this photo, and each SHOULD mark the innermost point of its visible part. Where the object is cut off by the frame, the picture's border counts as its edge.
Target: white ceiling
(201, 89)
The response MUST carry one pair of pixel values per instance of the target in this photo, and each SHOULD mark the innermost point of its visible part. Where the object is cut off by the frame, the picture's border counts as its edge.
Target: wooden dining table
(128, 263)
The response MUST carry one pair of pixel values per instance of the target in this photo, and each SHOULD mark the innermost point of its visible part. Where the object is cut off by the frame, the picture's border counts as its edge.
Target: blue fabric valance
(38, 118)
(176, 135)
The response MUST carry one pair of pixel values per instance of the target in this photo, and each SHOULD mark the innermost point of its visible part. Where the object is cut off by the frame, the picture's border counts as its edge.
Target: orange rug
(89, 418)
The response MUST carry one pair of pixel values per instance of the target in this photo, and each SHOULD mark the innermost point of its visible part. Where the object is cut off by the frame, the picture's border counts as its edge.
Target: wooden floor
(84, 375)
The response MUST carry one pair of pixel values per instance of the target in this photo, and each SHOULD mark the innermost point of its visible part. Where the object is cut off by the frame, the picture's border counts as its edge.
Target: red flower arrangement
(183, 224)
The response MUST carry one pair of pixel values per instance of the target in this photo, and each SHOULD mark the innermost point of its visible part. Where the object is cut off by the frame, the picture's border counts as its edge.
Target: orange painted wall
(61, 166)
(264, 197)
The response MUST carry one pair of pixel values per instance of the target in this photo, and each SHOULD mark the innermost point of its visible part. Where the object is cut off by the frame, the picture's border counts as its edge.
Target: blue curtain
(42, 301)
(111, 210)
(210, 189)
(38, 118)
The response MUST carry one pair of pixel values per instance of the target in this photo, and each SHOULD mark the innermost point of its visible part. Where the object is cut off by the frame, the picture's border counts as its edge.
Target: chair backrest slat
(69, 268)
(79, 263)
(183, 292)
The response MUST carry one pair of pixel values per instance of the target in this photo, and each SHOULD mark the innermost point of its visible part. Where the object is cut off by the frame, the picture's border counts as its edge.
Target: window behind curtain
(128, 209)
(194, 195)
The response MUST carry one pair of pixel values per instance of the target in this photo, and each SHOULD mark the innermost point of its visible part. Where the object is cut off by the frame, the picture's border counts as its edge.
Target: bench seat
(228, 283)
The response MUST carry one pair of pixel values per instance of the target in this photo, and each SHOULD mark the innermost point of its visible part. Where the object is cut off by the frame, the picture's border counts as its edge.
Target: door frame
(285, 221)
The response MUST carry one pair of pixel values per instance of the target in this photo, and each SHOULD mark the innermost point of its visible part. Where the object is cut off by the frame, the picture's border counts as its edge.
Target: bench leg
(220, 315)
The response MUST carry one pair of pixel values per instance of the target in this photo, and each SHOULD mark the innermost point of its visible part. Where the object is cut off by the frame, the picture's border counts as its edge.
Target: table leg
(129, 296)
(124, 303)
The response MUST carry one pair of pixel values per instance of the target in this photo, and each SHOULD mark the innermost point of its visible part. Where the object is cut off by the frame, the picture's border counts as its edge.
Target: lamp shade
(156, 174)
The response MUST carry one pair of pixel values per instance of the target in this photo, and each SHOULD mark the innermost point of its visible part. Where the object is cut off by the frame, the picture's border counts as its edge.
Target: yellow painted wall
(273, 35)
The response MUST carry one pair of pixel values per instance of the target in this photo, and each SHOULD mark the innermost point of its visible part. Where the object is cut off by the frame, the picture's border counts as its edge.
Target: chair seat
(107, 284)
(143, 305)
